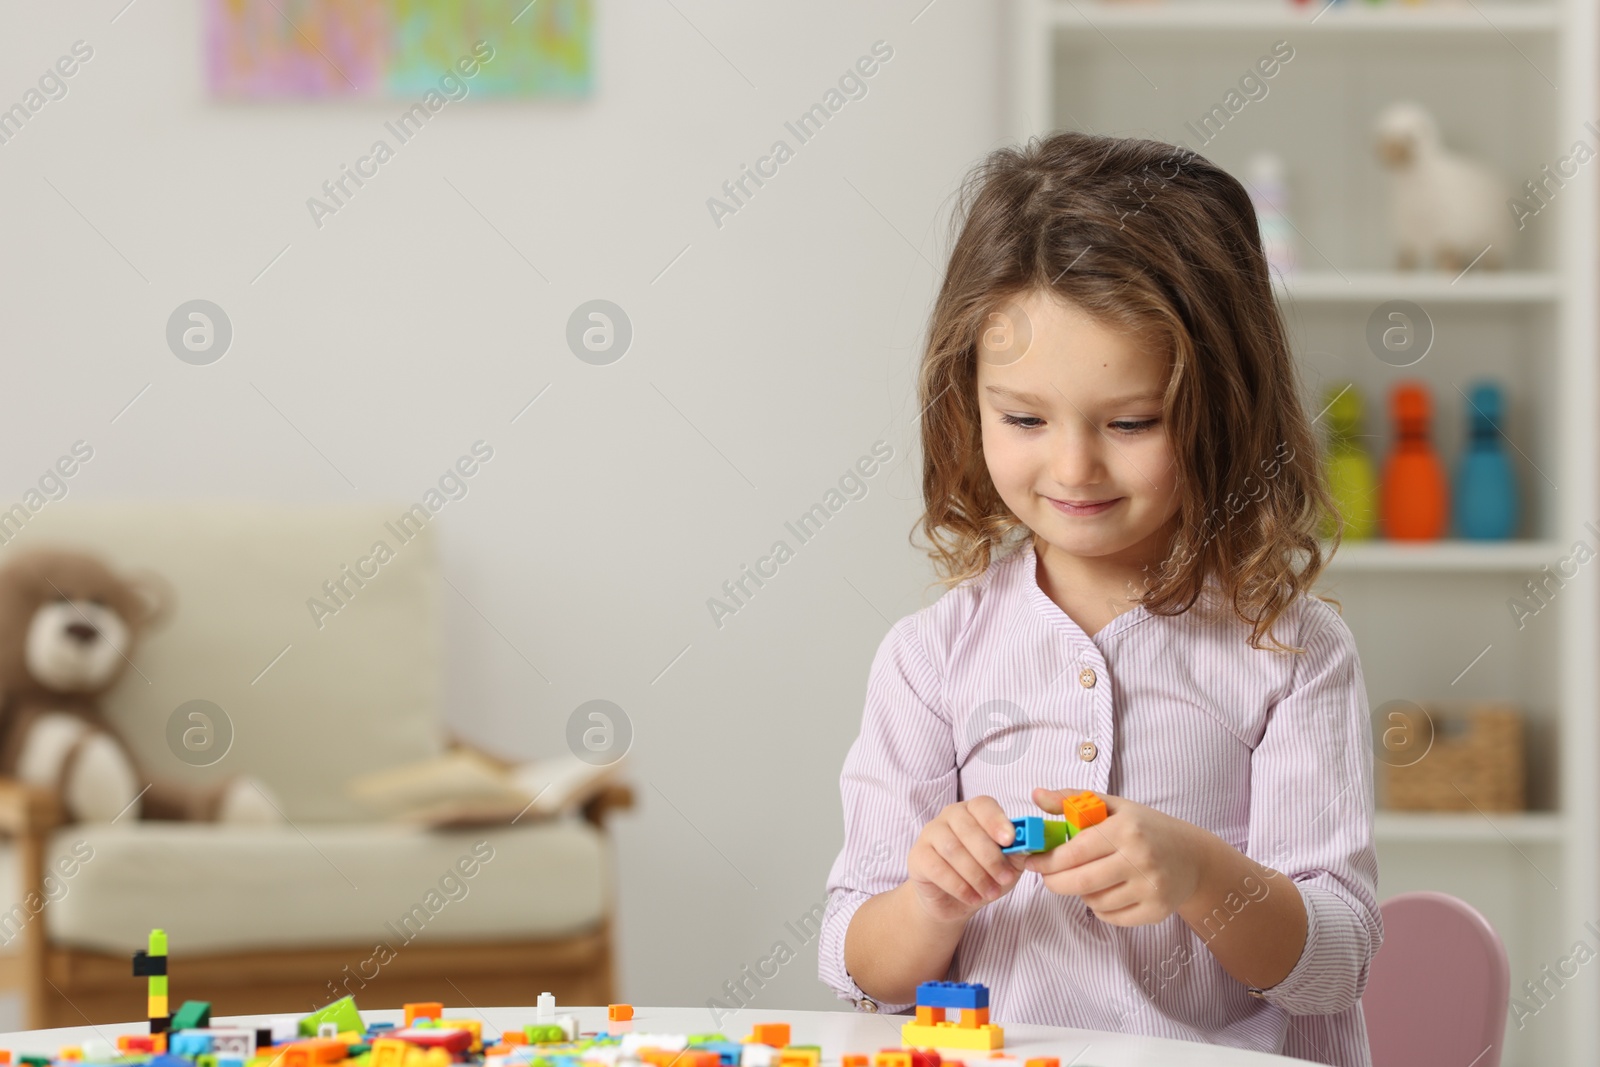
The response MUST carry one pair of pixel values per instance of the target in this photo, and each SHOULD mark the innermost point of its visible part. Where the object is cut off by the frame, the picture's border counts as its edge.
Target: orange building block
(928, 1016)
(972, 1017)
(619, 1012)
(1044, 1061)
(892, 1057)
(1083, 810)
(158, 1043)
(312, 1052)
(852, 1059)
(774, 1034)
(423, 1010)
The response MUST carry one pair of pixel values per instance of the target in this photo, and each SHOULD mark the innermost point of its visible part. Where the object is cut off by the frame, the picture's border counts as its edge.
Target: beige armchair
(286, 918)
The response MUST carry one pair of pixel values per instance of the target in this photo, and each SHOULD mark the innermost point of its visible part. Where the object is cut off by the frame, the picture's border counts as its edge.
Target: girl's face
(1071, 413)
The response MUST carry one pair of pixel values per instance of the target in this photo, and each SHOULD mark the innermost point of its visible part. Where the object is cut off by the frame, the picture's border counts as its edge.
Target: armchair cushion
(217, 889)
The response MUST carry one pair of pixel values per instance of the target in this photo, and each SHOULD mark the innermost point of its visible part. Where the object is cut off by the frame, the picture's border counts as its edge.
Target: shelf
(1495, 828)
(1350, 16)
(1484, 556)
(1504, 287)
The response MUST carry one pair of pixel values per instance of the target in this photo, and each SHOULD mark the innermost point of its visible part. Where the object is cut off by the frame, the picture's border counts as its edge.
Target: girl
(1120, 484)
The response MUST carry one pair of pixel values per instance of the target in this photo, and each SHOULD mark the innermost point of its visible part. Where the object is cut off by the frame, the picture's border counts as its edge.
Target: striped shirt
(993, 690)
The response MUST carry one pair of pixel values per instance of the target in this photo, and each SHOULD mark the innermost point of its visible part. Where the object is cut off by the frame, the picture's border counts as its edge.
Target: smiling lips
(1086, 508)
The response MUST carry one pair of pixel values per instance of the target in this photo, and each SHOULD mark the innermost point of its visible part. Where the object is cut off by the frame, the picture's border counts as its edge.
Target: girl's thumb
(1050, 799)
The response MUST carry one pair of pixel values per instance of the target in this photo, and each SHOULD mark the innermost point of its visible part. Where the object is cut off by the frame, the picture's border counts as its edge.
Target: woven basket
(1433, 758)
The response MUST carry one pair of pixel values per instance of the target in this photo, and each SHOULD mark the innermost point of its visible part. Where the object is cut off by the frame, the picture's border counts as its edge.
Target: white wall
(766, 360)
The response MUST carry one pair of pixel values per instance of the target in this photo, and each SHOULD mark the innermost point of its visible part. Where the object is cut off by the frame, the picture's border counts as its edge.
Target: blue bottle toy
(1486, 488)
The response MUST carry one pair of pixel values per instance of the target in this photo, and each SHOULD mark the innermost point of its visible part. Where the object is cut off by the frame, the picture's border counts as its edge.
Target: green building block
(192, 1016)
(158, 985)
(158, 943)
(543, 1033)
(35, 1061)
(206, 1059)
(342, 1013)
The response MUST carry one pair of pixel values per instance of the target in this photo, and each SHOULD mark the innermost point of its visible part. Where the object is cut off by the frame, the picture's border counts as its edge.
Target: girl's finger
(994, 870)
(1135, 915)
(1088, 846)
(940, 873)
(1114, 898)
(955, 850)
(992, 817)
(1094, 877)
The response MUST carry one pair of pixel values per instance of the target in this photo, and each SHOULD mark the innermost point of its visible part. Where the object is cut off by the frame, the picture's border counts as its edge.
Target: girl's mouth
(1085, 508)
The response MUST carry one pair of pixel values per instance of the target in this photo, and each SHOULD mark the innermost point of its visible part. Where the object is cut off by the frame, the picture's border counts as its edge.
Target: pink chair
(1439, 986)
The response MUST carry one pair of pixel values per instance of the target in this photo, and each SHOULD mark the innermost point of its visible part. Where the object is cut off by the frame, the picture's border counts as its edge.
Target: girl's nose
(1079, 459)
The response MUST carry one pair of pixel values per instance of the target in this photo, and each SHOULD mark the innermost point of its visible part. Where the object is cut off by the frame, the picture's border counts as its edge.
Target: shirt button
(1086, 677)
(1087, 751)
(866, 1004)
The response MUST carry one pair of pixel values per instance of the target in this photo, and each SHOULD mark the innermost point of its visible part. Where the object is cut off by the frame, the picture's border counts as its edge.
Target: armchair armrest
(28, 814)
(27, 810)
(609, 798)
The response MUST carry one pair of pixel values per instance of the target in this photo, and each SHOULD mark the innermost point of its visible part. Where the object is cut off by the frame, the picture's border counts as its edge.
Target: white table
(836, 1031)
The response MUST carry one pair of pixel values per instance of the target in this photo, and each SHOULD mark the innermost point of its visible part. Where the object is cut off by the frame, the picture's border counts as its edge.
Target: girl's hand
(1137, 867)
(956, 866)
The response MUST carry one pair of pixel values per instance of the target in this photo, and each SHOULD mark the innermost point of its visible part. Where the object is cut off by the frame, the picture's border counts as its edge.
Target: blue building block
(727, 1051)
(184, 1043)
(1029, 838)
(952, 995)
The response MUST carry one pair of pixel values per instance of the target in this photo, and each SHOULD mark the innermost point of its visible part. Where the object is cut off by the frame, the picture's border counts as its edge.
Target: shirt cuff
(1332, 968)
(830, 958)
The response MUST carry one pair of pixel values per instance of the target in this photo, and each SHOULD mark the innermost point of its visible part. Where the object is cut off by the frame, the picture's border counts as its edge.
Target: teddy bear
(69, 627)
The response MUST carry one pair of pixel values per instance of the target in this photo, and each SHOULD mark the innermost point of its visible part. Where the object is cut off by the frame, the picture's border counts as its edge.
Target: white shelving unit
(1513, 84)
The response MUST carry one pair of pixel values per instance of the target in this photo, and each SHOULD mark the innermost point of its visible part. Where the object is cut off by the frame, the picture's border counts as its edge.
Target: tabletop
(835, 1031)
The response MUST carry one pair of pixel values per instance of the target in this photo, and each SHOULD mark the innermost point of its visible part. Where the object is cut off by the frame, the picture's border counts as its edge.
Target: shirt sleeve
(1311, 811)
(899, 773)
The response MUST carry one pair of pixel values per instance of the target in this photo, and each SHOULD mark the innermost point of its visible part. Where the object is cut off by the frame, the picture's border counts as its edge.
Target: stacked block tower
(971, 1029)
(152, 966)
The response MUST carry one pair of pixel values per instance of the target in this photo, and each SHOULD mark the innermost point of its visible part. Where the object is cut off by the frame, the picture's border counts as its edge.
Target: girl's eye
(1131, 427)
(1027, 422)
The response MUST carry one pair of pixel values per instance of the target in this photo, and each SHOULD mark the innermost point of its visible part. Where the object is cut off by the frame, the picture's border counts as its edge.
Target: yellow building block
(388, 1052)
(799, 1057)
(158, 1008)
(433, 1057)
(473, 1026)
(949, 1035)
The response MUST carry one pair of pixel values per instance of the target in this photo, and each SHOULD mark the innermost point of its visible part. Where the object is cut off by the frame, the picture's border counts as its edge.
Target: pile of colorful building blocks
(1038, 834)
(336, 1036)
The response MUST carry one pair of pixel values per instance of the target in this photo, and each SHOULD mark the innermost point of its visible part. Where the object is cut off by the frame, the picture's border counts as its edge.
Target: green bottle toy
(1352, 479)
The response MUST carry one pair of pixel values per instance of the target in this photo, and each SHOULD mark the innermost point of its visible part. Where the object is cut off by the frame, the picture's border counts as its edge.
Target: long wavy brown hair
(1145, 237)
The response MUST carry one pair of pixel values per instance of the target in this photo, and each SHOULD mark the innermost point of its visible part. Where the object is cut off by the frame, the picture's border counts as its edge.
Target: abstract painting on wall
(274, 49)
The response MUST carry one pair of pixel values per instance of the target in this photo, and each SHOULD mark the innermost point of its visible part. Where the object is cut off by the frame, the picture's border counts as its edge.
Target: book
(465, 788)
